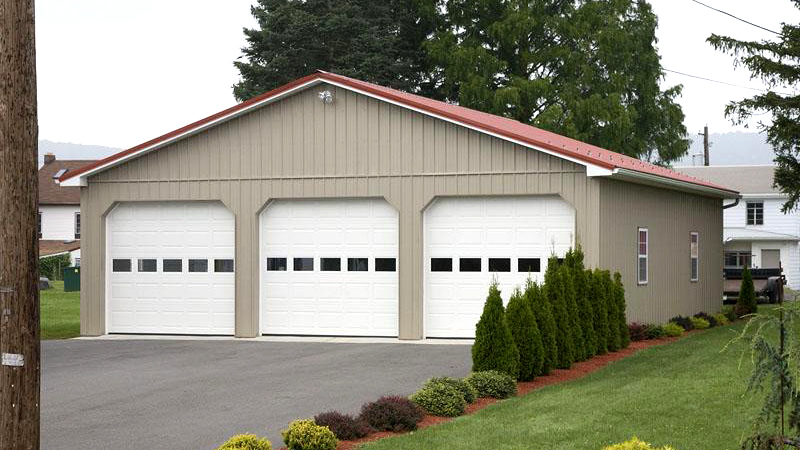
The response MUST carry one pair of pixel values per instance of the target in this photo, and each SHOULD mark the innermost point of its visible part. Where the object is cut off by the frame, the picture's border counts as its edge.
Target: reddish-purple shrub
(637, 331)
(392, 413)
(344, 426)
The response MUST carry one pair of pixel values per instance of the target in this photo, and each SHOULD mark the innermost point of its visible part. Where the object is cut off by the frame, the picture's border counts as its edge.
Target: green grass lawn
(686, 394)
(60, 312)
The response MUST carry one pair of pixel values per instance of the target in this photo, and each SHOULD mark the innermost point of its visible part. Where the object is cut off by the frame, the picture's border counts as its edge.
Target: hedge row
(574, 315)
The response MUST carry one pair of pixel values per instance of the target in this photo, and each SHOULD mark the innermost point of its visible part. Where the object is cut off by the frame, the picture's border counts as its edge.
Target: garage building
(335, 207)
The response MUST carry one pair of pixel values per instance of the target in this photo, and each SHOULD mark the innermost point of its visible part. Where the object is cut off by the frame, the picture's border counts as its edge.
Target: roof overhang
(649, 179)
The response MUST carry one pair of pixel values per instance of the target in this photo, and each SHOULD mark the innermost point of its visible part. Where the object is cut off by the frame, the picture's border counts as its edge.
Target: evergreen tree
(546, 324)
(597, 296)
(526, 336)
(585, 310)
(494, 347)
(576, 334)
(554, 291)
(612, 338)
(619, 293)
(746, 303)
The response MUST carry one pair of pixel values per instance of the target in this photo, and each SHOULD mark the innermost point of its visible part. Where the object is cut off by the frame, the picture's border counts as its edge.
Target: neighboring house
(757, 233)
(59, 210)
(331, 206)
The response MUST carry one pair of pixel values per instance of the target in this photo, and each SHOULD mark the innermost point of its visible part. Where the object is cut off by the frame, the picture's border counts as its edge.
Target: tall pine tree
(494, 347)
(523, 328)
(543, 313)
(568, 284)
(597, 296)
(554, 291)
(613, 342)
(622, 321)
(585, 310)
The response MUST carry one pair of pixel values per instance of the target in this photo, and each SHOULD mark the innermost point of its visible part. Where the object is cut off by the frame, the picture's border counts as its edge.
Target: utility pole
(705, 145)
(19, 247)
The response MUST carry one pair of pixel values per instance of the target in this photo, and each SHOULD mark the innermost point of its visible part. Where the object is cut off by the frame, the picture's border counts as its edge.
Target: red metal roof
(490, 123)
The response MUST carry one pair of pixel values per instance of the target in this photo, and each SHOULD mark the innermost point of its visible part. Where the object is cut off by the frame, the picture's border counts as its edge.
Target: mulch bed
(578, 370)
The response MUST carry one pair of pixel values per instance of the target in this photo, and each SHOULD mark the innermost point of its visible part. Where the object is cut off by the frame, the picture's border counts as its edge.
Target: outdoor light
(326, 97)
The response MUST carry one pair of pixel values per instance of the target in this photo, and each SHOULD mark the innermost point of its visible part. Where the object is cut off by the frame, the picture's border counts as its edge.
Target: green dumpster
(72, 279)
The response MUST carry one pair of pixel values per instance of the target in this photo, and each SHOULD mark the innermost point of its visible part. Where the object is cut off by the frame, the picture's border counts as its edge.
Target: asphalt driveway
(192, 395)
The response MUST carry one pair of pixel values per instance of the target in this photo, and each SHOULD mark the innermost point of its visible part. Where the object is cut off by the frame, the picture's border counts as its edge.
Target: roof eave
(671, 183)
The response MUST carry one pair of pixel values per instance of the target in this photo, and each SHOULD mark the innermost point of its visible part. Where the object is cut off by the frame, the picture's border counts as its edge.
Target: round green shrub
(246, 442)
(698, 323)
(722, 319)
(493, 384)
(635, 444)
(672, 329)
(654, 331)
(307, 435)
(440, 399)
(494, 347)
(468, 392)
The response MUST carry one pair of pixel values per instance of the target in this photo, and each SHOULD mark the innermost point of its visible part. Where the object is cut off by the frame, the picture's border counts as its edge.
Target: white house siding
(58, 222)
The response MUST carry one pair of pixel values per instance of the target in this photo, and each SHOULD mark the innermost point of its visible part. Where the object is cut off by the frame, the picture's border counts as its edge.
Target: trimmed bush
(722, 319)
(698, 323)
(570, 300)
(635, 444)
(622, 320)
(746, 303)
(543, 313)
(526, 336)
(712, 320)
(494, 347)
(392, 413)
(585, 309)
(468, 392)
(246, 442)
(672, 329)
(598, 298)
(637, 331)
(654, 331)
(307, 435)
(684, 322)
(613, 341)
(554, 291)
(440, 399)
(492, 384)
(344, 426)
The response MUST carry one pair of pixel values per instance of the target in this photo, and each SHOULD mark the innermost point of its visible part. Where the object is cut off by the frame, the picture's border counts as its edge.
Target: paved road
(192, 395)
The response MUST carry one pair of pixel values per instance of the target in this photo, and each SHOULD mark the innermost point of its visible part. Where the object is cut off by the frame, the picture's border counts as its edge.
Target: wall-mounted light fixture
(326, 96)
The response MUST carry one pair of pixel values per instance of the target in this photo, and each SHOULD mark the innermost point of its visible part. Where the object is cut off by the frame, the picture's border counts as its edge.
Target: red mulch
(578, 370)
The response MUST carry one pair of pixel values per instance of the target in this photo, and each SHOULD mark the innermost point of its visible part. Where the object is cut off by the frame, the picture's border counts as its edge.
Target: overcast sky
(118, 73)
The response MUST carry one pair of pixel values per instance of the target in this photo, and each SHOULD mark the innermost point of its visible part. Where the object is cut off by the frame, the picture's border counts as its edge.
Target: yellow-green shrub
(246, 442)
(698, 323)
(672, 329)
(307, 435)
(636, 444)
(722, 319)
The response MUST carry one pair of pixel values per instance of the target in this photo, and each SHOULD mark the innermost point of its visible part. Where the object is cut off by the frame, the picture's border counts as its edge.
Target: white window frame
(76, 224)
(756, 207)
(694, 235)
(645, 256)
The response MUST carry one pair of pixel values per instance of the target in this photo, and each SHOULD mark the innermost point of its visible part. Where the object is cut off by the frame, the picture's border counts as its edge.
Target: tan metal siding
(670, 217)
(301, 148)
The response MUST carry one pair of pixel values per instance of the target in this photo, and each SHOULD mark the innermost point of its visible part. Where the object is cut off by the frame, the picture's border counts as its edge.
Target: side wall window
(40, 224)
(77, 225)
(643, 253)
(755, 213)
(694, 255)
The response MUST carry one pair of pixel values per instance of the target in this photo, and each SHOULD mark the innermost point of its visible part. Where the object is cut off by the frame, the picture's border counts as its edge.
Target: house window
(737, 259)
(642, 253)
(40, 224)
(694, 255)
(755, 213)
(77, 225)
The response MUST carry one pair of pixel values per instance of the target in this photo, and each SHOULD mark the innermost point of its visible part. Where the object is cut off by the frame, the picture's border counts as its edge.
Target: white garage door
(170, 268)
(470, 241)
(329, 267)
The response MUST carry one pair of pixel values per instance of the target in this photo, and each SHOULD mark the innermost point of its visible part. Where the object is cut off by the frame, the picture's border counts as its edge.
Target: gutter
(731, 205)
(685, 185)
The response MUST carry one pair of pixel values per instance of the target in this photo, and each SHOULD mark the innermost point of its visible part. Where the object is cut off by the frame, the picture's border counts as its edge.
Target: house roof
(51, 248)
(749, 234)
(598, 161)
(745, 179)
(50, 191)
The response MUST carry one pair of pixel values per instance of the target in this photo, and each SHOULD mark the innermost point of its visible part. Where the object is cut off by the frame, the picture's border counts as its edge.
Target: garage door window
(385, 265)
(469, 264)
(303, 264)
(330, 264)
(147, 265)
(357, 264)
(198, 265)
(172, 265)
(276, 264)
(223, 265)
(529, 265)
(441, 264)
(121, 265)
(499, 264)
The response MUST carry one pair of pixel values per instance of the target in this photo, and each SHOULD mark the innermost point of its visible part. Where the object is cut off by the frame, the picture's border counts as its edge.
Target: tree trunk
(19, 251)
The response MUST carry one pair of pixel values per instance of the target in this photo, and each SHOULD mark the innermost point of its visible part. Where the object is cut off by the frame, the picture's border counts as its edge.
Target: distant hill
(735, 148)
(67, 150)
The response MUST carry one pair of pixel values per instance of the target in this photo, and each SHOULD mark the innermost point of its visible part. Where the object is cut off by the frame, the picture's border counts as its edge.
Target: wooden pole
(19, 251)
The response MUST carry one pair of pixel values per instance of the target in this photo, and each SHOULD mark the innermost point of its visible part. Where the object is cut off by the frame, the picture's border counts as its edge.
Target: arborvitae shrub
(613, 341)
(526, 336)
(622, 319)
(246, 442)
(542, 312)
(585, 310)
(554, 290)
(597, 295)
(344, 426)
(576, 333)
(392, 413)
(746, 303)
(494, 347)
(307, 435)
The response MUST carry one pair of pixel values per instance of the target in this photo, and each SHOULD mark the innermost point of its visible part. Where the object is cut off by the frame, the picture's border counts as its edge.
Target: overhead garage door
(329, 267)
(170, 268)
(472, 240)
